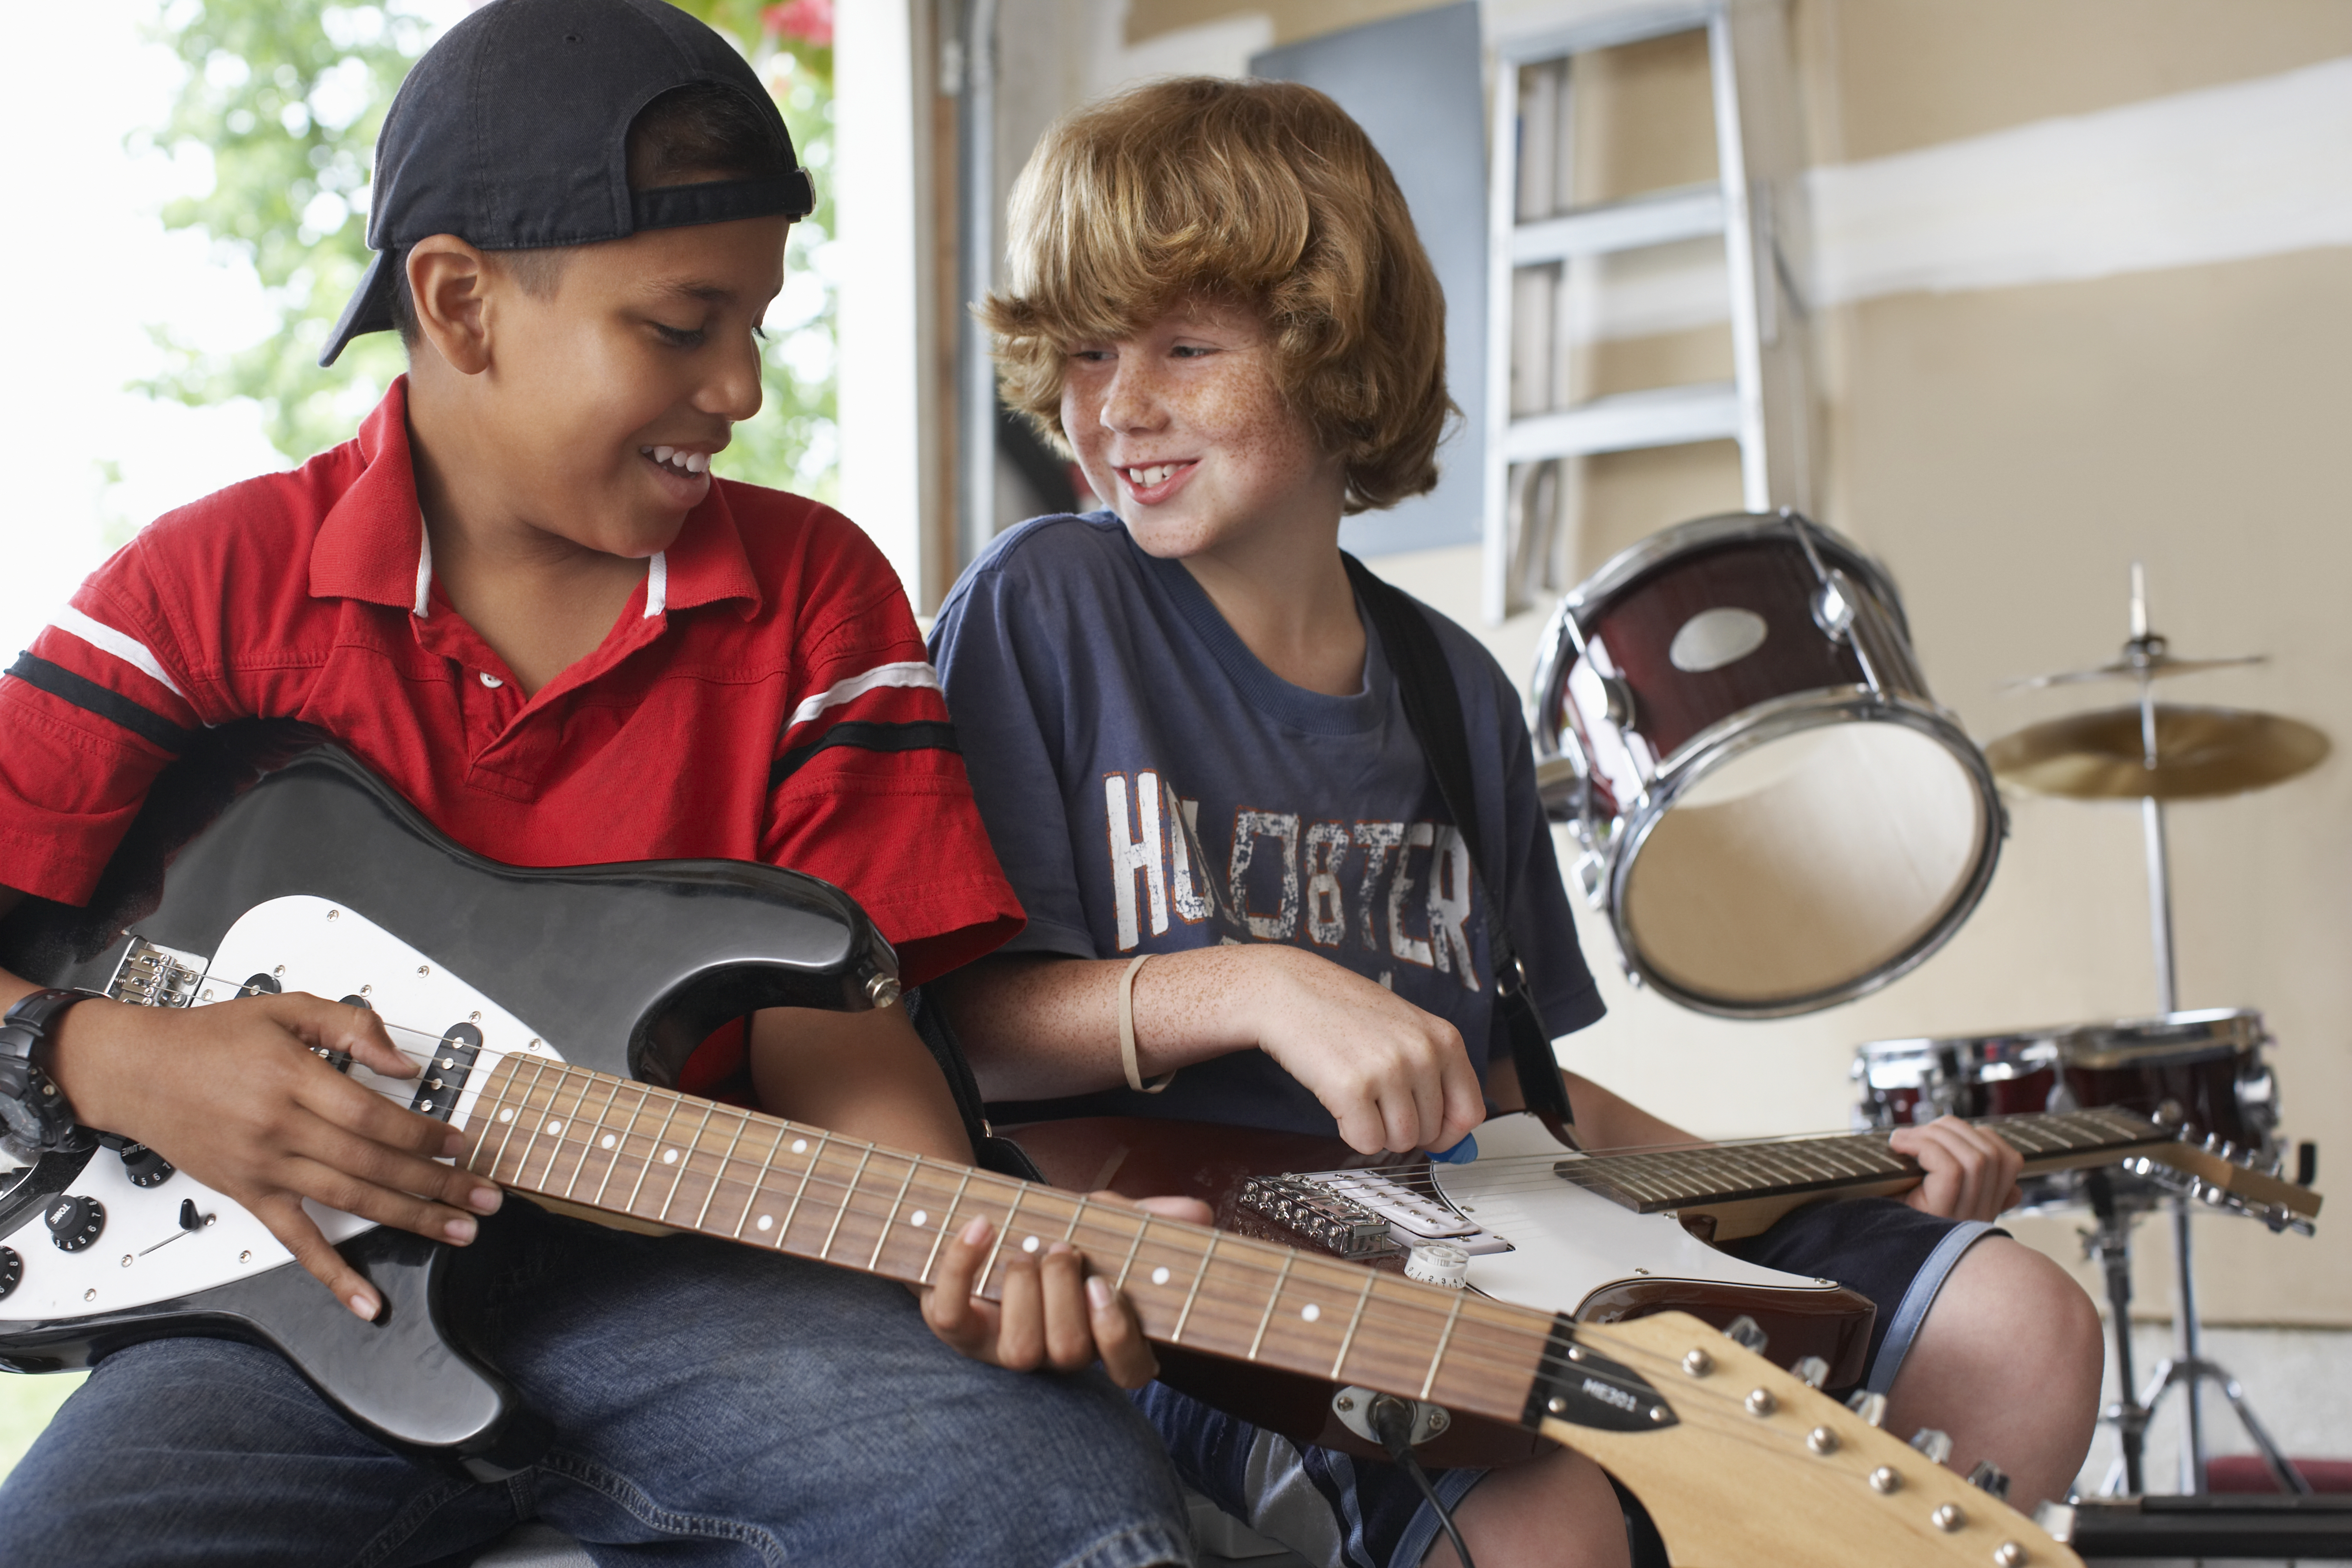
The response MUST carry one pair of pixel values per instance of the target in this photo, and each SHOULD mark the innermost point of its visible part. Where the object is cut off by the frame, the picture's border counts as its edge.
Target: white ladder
(1537, 231)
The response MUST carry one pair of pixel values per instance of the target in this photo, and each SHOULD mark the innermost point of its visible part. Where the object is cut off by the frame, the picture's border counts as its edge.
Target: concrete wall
(2008, 451)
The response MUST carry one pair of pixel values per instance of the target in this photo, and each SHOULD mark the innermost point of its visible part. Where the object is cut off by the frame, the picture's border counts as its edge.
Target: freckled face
(1184, 428)
(615, 391)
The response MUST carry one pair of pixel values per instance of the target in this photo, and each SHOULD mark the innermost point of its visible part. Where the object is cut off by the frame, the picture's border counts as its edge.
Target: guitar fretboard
(1651, 1181)
(626, 1148)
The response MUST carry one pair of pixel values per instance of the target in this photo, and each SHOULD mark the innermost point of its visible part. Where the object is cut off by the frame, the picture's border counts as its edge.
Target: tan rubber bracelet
(1126, 1033)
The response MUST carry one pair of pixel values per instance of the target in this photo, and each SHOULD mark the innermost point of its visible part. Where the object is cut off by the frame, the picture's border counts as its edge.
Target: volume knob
(74, 1222)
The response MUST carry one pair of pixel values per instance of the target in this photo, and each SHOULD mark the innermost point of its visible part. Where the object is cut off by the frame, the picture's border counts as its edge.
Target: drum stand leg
(2190, 1370)
(2110, 1246)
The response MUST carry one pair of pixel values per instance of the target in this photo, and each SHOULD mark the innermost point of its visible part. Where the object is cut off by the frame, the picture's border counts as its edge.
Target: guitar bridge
(1336, 1223)
(153, 975)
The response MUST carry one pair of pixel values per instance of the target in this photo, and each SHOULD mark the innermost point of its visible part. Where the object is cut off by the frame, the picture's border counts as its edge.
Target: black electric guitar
(551, 1006)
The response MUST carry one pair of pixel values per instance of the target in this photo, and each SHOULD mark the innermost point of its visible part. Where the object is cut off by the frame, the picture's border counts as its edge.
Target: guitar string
(1464, 1355)
(1696, 1406)
(1547, 1361)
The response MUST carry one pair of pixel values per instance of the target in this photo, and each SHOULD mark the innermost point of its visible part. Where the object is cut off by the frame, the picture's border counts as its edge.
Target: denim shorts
(712, 1403)
(1346, 1512)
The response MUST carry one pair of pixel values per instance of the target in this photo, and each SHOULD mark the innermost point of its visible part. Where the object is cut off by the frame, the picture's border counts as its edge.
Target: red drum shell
(1771, 579)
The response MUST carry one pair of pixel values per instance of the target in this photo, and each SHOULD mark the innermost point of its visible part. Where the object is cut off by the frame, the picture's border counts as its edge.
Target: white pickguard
(306, 944)
(1567, 1242)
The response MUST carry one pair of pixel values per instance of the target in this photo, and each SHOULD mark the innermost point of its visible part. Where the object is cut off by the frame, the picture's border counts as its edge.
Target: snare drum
(1774, 813)
(2203, 1070)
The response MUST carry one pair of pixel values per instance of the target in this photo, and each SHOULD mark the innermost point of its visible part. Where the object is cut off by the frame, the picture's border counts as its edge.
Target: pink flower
(808, 20)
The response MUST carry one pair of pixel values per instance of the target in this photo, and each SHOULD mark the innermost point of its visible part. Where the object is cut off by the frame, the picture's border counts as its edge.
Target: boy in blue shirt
(1190, 750)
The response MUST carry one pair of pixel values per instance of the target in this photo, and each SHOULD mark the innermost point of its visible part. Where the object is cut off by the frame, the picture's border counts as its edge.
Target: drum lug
(1621, 709)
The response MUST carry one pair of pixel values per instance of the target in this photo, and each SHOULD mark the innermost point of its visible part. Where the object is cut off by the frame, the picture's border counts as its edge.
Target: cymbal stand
(2111, 1243)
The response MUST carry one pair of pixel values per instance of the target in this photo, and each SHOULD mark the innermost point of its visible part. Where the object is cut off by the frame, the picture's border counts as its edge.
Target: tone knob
(74, 1222)
(1438, 1263)
(12, 1271)
(145, 1167)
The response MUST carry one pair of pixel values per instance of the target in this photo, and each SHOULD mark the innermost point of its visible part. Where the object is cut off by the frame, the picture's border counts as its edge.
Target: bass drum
(1773, 813)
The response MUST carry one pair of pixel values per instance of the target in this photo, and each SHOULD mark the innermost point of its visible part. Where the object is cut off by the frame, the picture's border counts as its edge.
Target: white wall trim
(2254, 168)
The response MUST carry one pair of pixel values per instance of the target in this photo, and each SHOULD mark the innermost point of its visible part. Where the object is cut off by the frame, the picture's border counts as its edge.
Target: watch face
(22, 1123)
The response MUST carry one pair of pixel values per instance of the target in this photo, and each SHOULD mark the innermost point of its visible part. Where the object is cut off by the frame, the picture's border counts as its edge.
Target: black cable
(1391, 1423)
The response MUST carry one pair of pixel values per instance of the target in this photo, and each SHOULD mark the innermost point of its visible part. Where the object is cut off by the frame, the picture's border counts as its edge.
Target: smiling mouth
(677, 461)
(1150, 477)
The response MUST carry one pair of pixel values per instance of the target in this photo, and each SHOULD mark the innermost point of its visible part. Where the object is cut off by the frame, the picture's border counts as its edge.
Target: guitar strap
(990, 1152)
(1432, 711)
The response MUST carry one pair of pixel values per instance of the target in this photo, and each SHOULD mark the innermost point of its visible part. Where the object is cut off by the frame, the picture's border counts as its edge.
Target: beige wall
(2007, 453)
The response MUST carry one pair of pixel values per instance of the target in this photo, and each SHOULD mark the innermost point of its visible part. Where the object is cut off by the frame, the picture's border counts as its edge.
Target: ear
(449, 281)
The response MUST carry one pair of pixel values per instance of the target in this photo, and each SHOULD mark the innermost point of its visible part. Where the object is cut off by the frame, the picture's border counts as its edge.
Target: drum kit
(1773, 816)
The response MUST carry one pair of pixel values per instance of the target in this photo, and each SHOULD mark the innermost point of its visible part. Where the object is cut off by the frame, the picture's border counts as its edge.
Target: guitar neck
(1655, 1180)
(591, 1140)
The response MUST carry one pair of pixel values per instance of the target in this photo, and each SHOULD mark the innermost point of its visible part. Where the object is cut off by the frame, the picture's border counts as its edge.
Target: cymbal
(2155, 667)
(2200, 753)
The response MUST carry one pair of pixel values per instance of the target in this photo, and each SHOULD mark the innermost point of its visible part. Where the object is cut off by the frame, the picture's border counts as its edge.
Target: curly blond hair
(1263, 194)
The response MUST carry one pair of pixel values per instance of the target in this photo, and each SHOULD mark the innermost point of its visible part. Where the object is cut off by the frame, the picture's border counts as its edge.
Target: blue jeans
(712, 1404)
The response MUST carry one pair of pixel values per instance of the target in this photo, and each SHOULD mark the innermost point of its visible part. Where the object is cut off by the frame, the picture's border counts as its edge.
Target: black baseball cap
(512, 133)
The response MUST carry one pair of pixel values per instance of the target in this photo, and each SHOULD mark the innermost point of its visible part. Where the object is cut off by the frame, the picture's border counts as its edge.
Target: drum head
(1803, 868)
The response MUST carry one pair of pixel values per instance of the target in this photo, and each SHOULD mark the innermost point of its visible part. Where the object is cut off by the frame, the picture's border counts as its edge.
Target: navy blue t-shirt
(1150, 786)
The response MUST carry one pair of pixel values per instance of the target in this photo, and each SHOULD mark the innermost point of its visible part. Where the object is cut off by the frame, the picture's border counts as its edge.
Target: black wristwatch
(31, 1105)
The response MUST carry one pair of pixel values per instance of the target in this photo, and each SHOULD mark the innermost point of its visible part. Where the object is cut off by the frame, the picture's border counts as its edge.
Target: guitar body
(1569, 1250)
(275, 861)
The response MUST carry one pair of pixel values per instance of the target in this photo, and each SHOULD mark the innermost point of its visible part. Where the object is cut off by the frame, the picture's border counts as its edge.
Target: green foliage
(287, 97)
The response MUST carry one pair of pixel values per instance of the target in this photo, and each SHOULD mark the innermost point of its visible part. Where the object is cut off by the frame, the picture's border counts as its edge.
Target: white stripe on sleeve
(913, 672)
(121, 645)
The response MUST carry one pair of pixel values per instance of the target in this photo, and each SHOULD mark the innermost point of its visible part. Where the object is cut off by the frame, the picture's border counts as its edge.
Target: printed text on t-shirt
(1399, 891)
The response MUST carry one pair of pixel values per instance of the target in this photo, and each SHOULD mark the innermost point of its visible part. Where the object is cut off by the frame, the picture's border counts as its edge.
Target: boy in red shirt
(521, 598)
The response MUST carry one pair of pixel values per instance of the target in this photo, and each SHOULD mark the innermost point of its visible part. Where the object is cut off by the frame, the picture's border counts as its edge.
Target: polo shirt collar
(371, 544)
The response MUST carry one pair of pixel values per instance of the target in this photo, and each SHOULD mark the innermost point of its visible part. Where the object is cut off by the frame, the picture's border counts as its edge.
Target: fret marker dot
(1030, 1245)
(799, 1145)
(506, 1115)
(607, 1142)
(669, 1156)
(918, 1218)
(767, 1221)
(1159, 1277)
(1310, 1311)
(555, 1126)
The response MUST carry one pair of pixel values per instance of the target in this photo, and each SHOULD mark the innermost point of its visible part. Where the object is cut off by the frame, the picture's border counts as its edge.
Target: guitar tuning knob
(1871, 1407)
(1744, 1332)
(1988, 1478)
(1811, 1371)
(1936, 1445)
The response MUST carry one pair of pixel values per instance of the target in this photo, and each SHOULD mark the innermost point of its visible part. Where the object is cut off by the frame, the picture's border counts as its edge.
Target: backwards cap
(512, 133)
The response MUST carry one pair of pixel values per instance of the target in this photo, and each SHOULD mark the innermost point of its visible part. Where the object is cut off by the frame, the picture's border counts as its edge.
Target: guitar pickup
(1334, 1223)
(444, 1078)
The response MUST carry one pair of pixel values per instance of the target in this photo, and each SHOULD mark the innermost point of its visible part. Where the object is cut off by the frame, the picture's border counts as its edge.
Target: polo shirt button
(492, 681)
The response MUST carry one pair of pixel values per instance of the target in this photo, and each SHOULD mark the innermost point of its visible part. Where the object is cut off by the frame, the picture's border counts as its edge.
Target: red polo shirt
(764, 695)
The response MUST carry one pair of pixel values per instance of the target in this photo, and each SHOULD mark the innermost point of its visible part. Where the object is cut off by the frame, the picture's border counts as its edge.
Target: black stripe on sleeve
(91, 698)
(868, 735)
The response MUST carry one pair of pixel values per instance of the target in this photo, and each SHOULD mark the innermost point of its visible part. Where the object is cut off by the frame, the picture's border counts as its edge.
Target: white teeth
(1144, 478)
(662, 454)
(698, 462)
